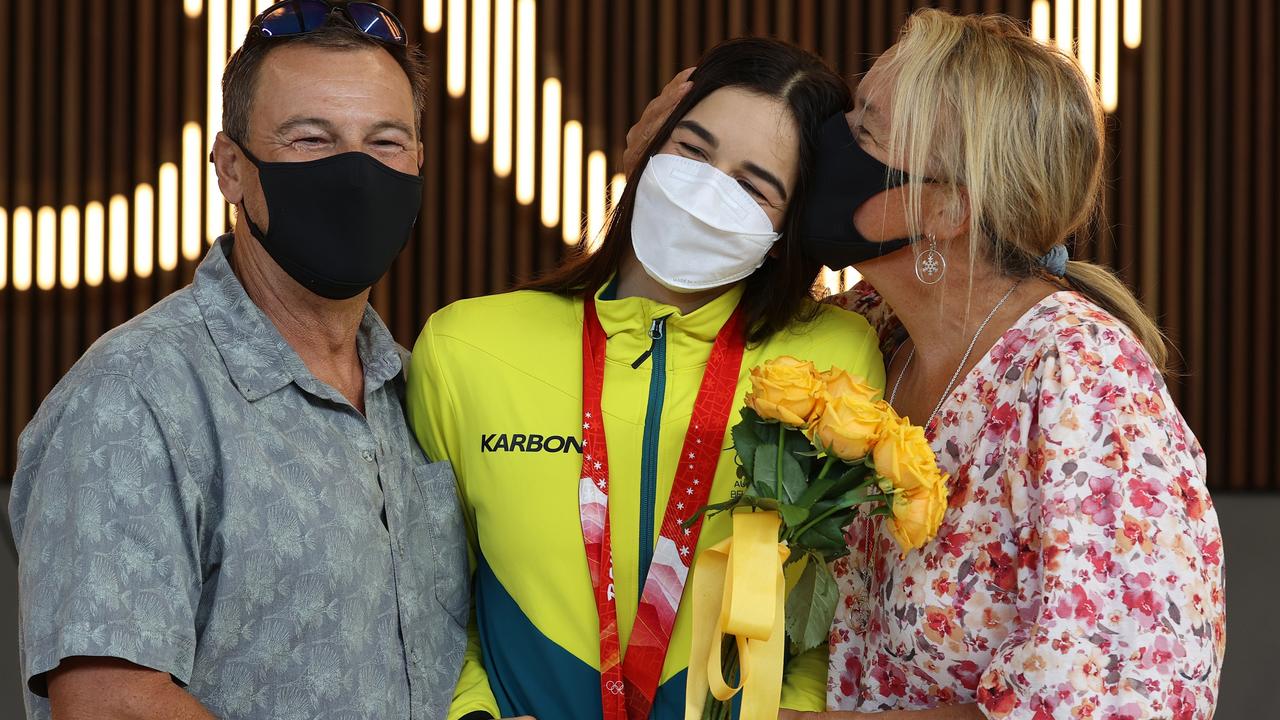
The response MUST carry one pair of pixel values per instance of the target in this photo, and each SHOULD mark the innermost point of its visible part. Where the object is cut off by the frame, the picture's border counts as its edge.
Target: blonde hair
(1017, 127)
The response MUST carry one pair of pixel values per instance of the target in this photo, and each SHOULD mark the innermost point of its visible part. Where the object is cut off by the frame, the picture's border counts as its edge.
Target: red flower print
(1102, 502)
(1001, 422)
(998, 701)
(967, 672)
(1145, 494)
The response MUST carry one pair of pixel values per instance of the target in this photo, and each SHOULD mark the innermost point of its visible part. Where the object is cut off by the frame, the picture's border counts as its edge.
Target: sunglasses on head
(297, 17)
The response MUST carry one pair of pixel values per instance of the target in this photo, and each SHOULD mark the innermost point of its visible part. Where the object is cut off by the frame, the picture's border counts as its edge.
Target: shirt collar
(257, 357)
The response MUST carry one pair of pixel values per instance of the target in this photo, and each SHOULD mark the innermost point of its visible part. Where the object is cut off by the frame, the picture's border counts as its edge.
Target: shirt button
(367, 455)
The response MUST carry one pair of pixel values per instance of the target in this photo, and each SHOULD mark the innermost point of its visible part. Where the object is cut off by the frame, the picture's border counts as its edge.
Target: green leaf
(751, 417)
(745, 442)
(811, 607)
(817, 490)
(854, 475)
(795, 479)
(826, 537)
(802, 449)
(793, 515)
(765, 474)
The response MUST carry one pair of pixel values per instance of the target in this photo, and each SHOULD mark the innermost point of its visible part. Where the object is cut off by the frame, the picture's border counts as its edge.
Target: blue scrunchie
(1055, 261)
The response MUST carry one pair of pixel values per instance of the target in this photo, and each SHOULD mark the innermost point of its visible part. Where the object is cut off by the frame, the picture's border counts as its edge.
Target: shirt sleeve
(433, 420)
(105, 523)
(1117, 574)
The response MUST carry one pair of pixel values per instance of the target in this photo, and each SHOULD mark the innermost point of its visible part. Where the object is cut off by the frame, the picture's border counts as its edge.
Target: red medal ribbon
(628, 687)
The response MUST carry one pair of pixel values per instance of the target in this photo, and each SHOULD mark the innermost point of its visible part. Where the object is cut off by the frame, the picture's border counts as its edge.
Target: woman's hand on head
(655, 113)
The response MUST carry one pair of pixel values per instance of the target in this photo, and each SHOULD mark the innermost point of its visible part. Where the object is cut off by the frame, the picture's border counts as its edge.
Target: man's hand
(104, 688)
(655, 113)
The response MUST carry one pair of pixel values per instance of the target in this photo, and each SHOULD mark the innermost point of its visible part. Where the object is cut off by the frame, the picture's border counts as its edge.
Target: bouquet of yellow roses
(813, 449)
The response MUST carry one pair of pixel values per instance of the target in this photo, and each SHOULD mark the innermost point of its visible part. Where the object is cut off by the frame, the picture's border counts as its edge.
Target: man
(220, 510)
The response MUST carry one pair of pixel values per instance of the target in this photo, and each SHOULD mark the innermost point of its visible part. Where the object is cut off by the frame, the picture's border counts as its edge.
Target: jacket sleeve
(804, 681)
(433, 417)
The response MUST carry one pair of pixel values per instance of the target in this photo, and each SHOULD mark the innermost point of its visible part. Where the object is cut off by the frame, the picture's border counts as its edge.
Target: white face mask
(695, 228)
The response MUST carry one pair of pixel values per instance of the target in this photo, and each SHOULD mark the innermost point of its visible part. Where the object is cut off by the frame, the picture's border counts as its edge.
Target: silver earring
(930, 264)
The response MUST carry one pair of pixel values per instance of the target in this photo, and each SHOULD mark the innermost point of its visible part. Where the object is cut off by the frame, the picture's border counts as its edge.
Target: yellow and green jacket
(495, 386)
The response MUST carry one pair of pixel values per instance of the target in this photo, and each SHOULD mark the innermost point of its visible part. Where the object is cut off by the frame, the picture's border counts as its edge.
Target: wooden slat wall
(93, 96)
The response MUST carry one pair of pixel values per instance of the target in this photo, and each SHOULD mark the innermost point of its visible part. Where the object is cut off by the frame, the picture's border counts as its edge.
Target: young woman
(1078, 570)
(586, 416)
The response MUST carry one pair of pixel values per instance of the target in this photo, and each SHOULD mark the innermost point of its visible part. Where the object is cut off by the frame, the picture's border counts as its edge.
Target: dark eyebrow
(767, 177)
(700, 131)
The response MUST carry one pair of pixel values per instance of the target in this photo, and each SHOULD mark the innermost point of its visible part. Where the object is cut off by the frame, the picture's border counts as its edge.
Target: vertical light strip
(4, 248)
(143, 229)
(1062, 26)
(1132, 23)
(504, 42)
(193, 8)
(168, 188)
(1109, 62)
(480, 71)
(597, 194)
(46, 248)
(616, 187)
(118, 238)
(215, 212)
(456, 40)
(69, 255)
(22, 248)
(95, 228)
(571, 220)
(241, 16)
(432, 15)
(848, 278)
(263, 5)
(1040, 20)
(191, 168)
(830, 281)
(550, 152)
(526, 100)
(1088, 44)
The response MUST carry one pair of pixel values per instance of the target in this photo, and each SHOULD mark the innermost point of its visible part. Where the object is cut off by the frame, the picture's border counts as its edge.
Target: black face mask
(337, 223)
(844, 177)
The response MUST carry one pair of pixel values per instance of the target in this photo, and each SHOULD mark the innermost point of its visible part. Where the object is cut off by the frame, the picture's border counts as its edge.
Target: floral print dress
(1078, 570)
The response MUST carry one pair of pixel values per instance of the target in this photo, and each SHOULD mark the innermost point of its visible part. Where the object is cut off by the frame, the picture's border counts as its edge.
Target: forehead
(748, 123)
(334, 83)
(874, 93)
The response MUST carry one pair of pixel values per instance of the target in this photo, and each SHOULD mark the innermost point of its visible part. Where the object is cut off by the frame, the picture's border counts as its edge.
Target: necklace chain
(963, 361)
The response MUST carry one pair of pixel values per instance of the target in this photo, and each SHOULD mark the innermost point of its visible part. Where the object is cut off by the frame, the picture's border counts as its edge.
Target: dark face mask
(844, 177)
(337, 223)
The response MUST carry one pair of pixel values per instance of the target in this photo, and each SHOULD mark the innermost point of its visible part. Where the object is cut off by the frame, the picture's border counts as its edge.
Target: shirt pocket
(442, 513)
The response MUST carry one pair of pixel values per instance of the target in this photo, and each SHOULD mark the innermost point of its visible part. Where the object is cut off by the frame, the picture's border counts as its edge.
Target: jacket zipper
(652, 429)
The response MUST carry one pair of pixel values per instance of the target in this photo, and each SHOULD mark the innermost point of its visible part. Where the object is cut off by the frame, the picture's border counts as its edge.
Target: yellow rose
(903, 457)
(849, 426)
(838, 383)
(785, 389)
(917, 513)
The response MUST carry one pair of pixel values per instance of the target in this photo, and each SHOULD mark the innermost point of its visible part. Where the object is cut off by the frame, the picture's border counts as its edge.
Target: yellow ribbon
(739, 590)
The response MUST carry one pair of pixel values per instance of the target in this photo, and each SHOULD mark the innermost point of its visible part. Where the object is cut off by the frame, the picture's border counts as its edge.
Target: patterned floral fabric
(1078, 572)
(192, 499)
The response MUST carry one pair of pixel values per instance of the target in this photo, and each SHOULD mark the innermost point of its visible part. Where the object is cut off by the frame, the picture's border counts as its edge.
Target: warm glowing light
(1132, 23)
(550, 152)
(1040, 20)
(456, 40)
(830, 280)
(597, 193)
(241, 16)
(263, 5)
(69, 254)
(118, 238)
(143, 229)
(22, 248)
(526, 100)
(503, 57)
(193, 8)
(215, 211)
(46, 247)
(617, 186)
(1088, 44)
(168, 187)
(4, 248)
(571, 220)
(95, 227)
(432, 15)
(191, 169)
(480, 71)
(1109, 62)
(1062, 29)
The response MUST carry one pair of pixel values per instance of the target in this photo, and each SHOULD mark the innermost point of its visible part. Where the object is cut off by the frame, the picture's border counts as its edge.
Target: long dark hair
(776, 294)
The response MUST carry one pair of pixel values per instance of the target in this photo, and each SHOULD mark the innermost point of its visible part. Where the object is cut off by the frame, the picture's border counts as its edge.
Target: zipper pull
(655, 334)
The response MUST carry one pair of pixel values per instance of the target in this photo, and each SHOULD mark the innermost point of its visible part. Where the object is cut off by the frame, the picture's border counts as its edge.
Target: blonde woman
(1078, 570)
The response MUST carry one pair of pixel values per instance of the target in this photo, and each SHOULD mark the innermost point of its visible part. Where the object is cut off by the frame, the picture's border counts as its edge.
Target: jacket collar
(627, 323)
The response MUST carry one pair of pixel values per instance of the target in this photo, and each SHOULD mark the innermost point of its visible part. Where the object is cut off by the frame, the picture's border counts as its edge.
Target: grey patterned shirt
(190, 498)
